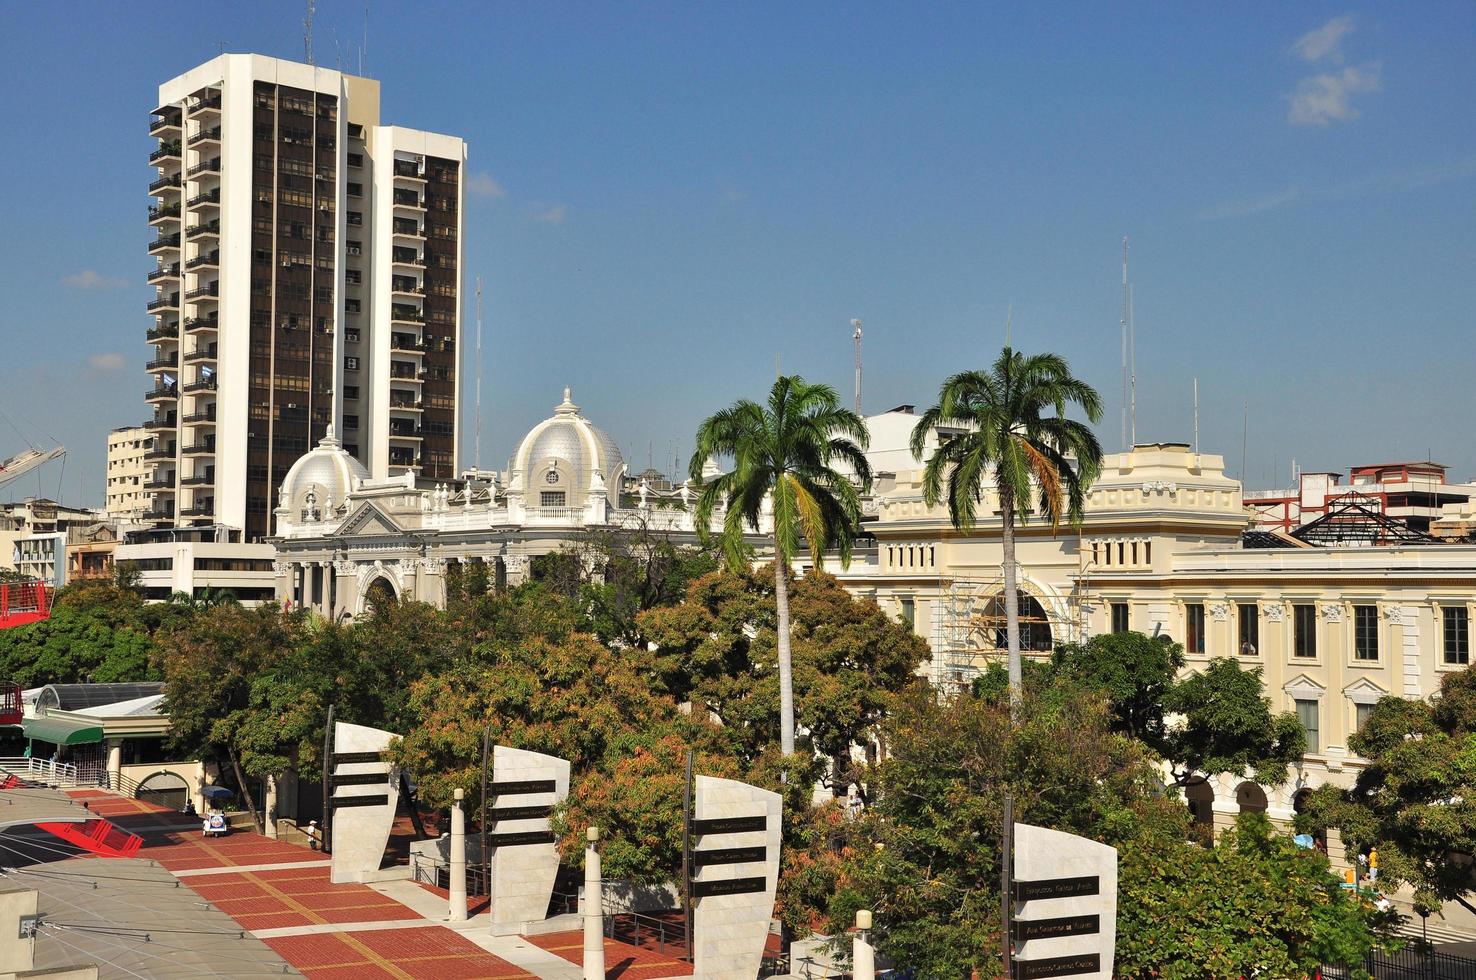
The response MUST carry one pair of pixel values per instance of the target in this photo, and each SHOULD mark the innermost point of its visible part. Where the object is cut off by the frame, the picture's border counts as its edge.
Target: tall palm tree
(785, 450)
(1014, 431)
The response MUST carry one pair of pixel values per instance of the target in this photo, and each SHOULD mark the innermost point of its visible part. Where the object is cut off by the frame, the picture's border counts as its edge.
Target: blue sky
(670, 196)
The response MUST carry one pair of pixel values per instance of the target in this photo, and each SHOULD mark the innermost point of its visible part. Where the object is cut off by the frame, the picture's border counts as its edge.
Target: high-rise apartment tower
(308, 275)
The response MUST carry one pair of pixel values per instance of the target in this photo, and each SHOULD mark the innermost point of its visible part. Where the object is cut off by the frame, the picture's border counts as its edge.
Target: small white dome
(328, 472)
(571, 445)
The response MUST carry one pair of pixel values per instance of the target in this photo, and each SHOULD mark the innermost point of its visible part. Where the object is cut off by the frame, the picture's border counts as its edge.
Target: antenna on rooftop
(1009, 324)
(477, 454)
(1196, 416)
(365, 46)
(1132, 370)
(1124, 325)
(307, 32)
(856, 325)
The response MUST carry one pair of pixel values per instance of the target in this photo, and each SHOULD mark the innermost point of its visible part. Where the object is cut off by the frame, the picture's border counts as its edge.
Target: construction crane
(26, 460)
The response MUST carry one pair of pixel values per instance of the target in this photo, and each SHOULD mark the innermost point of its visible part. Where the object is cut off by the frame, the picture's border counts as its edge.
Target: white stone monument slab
(525, 856)
(1065, 919)
(364, 808)
(735, 860)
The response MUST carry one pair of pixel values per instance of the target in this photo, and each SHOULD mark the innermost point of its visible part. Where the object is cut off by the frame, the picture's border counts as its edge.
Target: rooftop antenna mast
(856, 336)
(1124, 325)
(477, 455)
(1132, 370)
(307, 32)
(1196, 416)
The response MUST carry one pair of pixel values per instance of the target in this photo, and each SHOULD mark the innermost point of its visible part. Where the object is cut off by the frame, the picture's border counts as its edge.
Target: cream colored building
(1161, 551)
(128, 471)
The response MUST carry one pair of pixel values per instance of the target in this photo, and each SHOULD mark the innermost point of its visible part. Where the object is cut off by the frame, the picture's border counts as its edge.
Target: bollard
(458, 861)
(594, 911)
(863, 958)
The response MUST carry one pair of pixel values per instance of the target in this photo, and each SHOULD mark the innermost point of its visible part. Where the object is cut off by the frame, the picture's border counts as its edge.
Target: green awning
(60, 732)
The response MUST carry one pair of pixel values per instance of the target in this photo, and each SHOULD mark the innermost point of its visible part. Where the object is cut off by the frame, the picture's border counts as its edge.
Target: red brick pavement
(432, 953)
(622, 961)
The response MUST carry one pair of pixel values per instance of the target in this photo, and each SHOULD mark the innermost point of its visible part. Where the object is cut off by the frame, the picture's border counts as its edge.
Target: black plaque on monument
(1058, 966)
(727, 886)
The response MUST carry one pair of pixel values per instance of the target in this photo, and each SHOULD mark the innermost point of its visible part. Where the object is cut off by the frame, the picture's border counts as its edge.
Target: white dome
(328, 471)
(570, 444)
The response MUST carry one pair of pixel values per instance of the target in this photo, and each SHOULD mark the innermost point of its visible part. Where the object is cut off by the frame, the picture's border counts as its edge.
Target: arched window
(1035, 627)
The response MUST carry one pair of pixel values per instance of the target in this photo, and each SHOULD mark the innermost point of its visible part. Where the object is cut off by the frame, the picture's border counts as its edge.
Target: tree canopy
(1415, 799)
(803, 454)
(717, 649)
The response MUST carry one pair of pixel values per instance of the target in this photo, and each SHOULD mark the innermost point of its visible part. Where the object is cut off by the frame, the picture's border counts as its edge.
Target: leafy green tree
(78, 643)
(1415, 800)
(1254, 905)
(574, 698)
(785, 450)
(925, 856)
(1008, 425)
(1227, 726)
(235, 690)
(718, 650)
(1135, 671)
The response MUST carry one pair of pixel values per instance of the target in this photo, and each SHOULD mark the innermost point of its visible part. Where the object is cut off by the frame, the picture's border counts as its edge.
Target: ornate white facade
(341, 534)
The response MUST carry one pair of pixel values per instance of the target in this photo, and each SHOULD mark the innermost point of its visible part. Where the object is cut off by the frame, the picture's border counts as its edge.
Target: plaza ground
(281, 894)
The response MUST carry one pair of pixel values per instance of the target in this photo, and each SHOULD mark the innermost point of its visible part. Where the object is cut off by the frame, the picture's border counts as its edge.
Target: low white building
(198, 562)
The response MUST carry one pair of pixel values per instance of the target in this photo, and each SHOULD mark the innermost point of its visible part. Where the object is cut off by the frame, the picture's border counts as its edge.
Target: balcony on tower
(165, 121)
(164, 243)
(168, 150)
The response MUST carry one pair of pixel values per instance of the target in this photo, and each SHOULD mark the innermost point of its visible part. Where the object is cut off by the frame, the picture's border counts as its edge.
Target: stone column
(863, 957)
(269, 807)
(457, 884)
(594, 911)
(115, 762)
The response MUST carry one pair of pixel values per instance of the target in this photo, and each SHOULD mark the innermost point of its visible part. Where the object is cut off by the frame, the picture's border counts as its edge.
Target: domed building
(565, 459)
(318, 485)
(346, 540)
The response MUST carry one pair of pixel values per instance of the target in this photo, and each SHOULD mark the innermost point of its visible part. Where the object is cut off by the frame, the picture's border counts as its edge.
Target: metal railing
(163, 183)
(665, 936)
(46, 771)
(165, 241)
(1409, 964)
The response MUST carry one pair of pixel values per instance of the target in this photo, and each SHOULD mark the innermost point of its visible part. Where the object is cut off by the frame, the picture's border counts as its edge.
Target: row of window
(1454, 626)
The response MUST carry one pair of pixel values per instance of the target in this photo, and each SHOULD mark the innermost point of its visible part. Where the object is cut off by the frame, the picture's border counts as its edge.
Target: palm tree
(785, 450)
(1015, 431)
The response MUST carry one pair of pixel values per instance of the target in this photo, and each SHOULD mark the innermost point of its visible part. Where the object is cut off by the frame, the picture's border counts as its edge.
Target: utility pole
(856, 336)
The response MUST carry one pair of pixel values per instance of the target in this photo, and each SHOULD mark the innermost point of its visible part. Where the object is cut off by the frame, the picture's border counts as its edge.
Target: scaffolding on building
(969, 630)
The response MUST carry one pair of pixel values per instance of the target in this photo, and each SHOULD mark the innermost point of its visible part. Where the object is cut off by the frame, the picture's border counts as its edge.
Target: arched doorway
(1035, 625)
(166, 789)
(1200, 796)
(1250, 798)
(380, 594)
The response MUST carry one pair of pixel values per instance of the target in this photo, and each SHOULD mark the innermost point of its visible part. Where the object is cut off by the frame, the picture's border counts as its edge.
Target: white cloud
(484, 185)
(549, 214)
(88, 279)
(1326, 41)
(1255, 205)
(110, 361)
(1325, 99)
